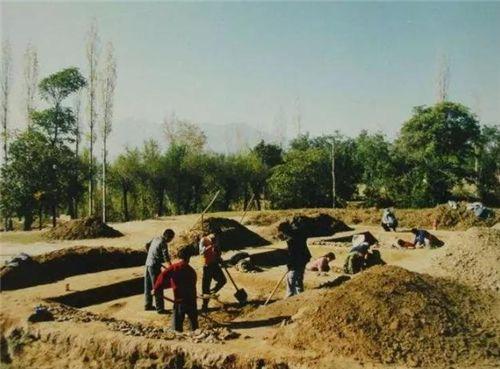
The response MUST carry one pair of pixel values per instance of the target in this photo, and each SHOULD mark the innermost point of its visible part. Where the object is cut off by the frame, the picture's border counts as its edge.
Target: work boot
(161, 311)
(149, 308)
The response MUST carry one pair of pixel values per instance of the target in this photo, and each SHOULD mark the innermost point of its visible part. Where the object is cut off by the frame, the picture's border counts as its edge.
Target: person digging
(210, 250)
(181, 277)
(298, 256)
(389, 221)
(157, 250)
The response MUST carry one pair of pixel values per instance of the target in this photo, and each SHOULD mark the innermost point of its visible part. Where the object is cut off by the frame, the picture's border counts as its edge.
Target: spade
(240, 294)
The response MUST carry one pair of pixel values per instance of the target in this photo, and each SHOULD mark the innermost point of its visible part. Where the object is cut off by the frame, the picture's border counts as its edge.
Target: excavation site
(82, 306)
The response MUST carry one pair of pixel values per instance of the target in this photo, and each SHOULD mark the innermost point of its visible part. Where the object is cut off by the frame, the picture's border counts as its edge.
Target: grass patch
(21, 237)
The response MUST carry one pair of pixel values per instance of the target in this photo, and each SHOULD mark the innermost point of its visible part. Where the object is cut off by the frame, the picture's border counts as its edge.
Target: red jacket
(210, 250)
(181, 277)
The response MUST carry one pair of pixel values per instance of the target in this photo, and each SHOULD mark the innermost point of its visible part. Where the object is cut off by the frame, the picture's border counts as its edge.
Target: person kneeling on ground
(389, 221)
(425, 239)
(157, 250)
(209, 248)
(181, 277)
(361, 257)
(321, 264)
(355, 261)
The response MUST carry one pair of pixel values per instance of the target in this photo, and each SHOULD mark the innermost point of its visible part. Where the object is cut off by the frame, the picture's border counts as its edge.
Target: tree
(30, 73)
(77, 105)
(58, 124)
(303, 180)
(266, 157)
(125, 174)
(488, 171)
(183, 132)
(155, 174)
(24, 175)
(92, 60)
(435, 151)
(5, 86)
(374, 158)
(58, 120)
(5, 93)
(347, 170)
(108, 84)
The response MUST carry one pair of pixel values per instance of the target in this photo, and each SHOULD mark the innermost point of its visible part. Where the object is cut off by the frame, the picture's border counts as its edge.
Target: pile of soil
(474, 258)
(79, 229)
(232, 235)
(319, 225)
(461, 217)
(391, 315)
(59, 264)
(419, 218)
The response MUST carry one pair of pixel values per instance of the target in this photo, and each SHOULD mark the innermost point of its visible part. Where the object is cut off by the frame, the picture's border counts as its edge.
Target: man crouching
(181, 277)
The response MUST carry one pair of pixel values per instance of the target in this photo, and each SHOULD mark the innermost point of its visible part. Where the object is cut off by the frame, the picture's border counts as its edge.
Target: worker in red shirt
(210, 250)
(181, 277)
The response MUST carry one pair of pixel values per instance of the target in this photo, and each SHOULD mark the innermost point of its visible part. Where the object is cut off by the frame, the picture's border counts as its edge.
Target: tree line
(442, 152)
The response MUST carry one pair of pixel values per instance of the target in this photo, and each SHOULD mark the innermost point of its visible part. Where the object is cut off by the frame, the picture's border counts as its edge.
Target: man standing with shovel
(211, 252)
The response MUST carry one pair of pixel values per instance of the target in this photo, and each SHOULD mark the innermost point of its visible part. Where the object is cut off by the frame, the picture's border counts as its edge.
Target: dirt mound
(79, 229)
(232, 235)
(319, 225)
(461, 217)
(59, 264)
(474, 258)
(448, 218)
(392, 315)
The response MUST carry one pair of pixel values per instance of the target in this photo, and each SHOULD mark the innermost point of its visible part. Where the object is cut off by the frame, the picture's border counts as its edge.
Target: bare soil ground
(100, 321)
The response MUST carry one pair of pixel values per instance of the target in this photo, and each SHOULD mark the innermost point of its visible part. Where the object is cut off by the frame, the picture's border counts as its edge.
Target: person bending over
(157, 250)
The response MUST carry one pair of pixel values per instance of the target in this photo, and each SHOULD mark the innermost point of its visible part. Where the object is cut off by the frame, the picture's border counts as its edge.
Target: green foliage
(57, 123)
(488, 163)
(302, 180)
(435, 151)
(374, 159)
(60, 85)
(38, 175)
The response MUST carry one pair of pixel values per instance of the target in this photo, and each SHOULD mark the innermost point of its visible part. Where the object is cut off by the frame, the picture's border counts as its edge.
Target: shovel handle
(276, 287)
(231, 278)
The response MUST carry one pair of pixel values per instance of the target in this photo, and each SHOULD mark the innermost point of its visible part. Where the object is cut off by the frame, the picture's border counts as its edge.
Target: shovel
(240, 294)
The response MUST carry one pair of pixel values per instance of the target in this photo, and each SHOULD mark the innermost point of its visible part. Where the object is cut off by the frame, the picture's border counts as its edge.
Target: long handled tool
(247, 208)
(206, 209)
(240, 294)
(276, 287)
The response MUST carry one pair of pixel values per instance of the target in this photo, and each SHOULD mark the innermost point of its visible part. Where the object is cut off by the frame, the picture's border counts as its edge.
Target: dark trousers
(150, 275)
(388, 228)
(211, 271)
(180, 311)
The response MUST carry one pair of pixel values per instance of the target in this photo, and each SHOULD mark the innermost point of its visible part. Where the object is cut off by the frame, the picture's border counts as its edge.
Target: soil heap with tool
(79, 229)
(392, 315)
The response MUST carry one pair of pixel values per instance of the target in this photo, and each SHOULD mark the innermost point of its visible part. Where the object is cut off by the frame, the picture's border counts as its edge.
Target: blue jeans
(150, 275)
(294, 282)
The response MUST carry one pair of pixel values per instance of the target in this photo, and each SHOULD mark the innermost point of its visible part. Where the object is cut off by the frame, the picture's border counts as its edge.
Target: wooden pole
(275, 288)
(249, 205)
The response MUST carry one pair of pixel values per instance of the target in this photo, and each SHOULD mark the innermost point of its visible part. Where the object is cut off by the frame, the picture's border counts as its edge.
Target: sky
(338, 66)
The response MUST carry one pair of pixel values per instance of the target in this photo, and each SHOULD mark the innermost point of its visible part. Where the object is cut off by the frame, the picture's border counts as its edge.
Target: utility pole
(333, 174)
